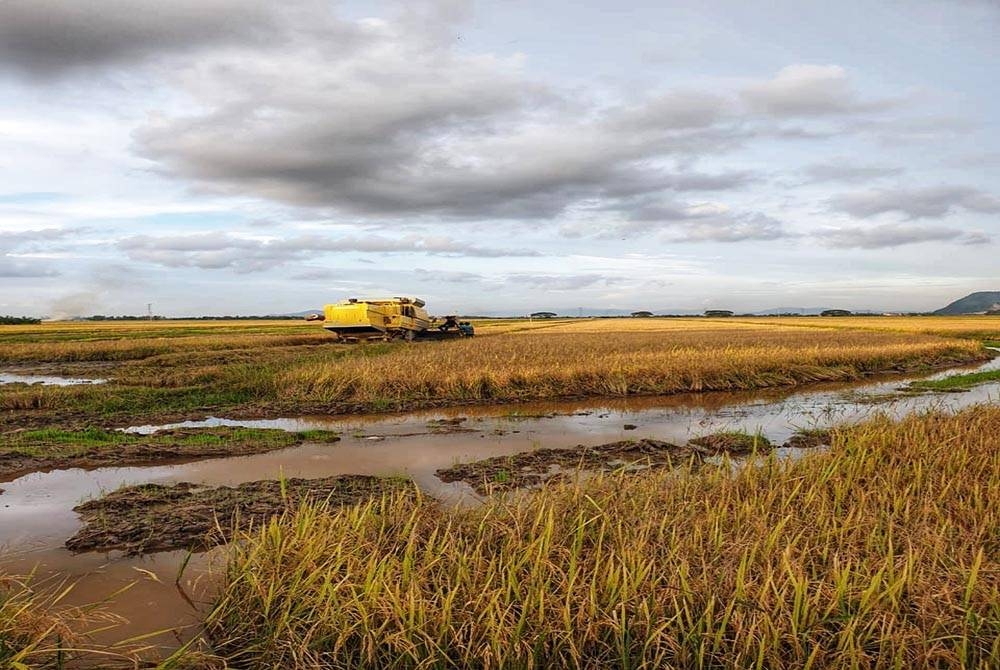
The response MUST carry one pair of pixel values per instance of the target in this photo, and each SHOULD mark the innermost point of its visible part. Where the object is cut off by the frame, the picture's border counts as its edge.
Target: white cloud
(809, 90)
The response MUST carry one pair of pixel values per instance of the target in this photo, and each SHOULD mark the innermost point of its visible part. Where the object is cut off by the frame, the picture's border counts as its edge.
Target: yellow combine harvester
(357, 319)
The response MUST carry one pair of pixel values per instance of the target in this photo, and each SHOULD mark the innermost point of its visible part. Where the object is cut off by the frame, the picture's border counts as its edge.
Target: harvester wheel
(409, 335)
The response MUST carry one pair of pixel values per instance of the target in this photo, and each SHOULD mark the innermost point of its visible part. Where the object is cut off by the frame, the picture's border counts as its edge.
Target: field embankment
(879, 553)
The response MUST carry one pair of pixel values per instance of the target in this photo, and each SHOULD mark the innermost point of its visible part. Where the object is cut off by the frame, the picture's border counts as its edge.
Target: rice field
(881, 553)
(176, 369)
(599, 358)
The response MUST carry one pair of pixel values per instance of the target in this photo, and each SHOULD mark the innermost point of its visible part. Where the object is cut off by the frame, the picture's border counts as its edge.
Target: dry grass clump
(551, 364)
(35, 632)
(882, 553)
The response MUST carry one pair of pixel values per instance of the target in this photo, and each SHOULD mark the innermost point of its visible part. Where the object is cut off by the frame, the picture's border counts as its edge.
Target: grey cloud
(808, 90)
(676, 109)
(48, 37)
(13, 240)
(976, 237)
(894, 235)
(681, 222)
(845, 172)
(916, 203)
(388, 118)
(13, 267)
(222, 250)
(315, 274)
(730, 228)
(555, 282)
(449, 276)
(402, 124)
(16, 268)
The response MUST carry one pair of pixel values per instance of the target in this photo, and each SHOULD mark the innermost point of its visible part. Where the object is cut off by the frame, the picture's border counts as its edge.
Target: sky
(260, 157)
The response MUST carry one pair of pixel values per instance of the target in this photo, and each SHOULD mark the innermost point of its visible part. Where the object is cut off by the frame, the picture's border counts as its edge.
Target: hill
(974, 303)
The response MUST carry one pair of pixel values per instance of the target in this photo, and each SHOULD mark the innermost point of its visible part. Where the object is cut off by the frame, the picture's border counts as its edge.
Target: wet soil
(154, 517)
(810, 439)
(534, 468)
(732, 443)
(169, 446)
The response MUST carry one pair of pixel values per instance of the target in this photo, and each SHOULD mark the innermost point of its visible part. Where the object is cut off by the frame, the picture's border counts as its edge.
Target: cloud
(730, 228)
(895, 235)
(678, 222)
(14, 240)
(218, 250)
(808, 90)
(562, 282)
(401, 123)
(676, 109)
(449, 276)
(915, 203)
(848, 173)
(14, 268)
(45, 38)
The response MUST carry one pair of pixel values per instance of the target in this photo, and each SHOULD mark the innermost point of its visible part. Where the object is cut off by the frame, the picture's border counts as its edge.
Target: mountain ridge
(979, 302)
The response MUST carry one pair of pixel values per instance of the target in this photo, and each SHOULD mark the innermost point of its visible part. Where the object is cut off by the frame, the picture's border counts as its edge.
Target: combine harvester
(354, 320)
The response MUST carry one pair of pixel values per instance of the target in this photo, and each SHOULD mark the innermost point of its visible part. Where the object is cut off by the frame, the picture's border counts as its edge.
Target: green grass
(957, 382)
(882, 552)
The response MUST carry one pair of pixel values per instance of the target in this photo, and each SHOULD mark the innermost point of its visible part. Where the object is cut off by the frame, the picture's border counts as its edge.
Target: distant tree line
(18, 320)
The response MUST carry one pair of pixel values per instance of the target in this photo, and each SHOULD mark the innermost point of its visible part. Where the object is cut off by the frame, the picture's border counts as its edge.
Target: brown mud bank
(541, 466)
(23, 452)
(154, 517)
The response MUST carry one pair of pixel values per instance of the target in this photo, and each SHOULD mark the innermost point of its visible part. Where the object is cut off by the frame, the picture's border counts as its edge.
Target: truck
(360, 319)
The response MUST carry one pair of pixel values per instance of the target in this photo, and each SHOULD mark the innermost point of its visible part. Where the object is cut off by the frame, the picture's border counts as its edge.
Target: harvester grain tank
(357, 319)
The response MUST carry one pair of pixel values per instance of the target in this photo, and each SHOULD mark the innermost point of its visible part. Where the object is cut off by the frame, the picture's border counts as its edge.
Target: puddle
(46, 380)
(36, 514)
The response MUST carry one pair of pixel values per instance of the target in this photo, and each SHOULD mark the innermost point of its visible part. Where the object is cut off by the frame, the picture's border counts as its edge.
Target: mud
(534, 468)
(154, 517)
(810, 439)
(732, 443)
(168, 447)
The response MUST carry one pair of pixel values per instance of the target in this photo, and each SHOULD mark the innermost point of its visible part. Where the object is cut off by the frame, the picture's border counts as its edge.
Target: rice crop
(883, 552)
(554, 364)
(36, 631)
(185, 368)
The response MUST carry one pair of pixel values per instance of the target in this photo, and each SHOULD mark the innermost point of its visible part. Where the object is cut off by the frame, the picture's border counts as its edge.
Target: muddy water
(46, 380)
(36, 513)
